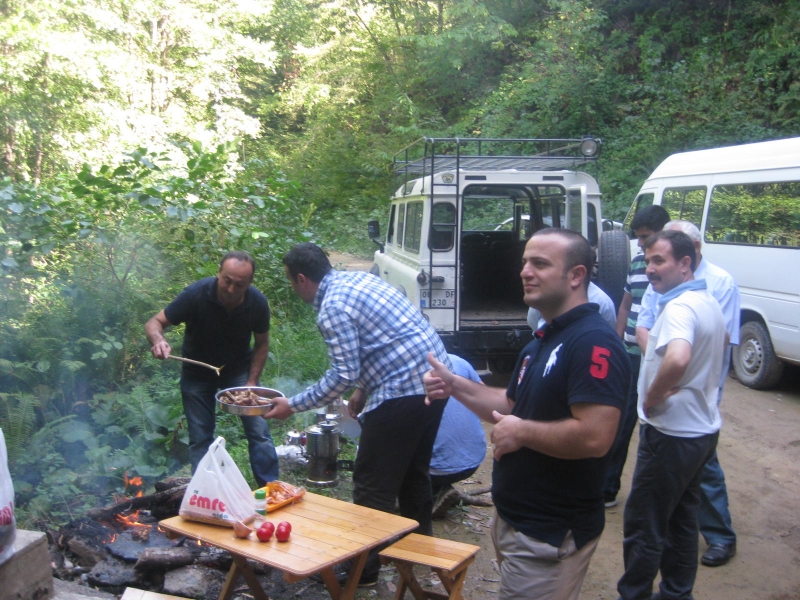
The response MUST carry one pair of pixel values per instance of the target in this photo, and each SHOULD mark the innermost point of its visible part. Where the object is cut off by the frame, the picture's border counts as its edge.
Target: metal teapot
(322, 451)
(293, 438)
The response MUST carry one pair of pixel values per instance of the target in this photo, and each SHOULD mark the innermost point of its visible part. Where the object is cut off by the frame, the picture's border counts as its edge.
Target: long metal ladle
(197, 362)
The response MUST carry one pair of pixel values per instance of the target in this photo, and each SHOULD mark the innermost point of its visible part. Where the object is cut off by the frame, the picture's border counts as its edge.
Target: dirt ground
(348, 262)
(759, 450)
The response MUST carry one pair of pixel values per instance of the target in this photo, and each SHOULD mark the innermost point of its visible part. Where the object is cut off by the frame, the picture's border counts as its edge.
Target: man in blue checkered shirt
(377, 341)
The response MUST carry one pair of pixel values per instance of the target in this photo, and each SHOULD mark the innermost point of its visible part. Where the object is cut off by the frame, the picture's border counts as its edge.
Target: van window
(524, 220)
(644, 200)
(390, 232)
(765, 214)
(401, 219)
(573, 212)
(487, 212)
(443, 226)
(592, 219)
(641, 201)
(413, 227)
(552, 202)
(685, 203)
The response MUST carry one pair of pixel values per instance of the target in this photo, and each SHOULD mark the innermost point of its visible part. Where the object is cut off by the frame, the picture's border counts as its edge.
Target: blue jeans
(716, 525)
(715, 517)
(199, 406)
(660, 519)
(627, 423)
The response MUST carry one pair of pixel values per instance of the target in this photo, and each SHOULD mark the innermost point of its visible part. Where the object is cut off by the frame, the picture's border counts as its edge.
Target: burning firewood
(160, 504)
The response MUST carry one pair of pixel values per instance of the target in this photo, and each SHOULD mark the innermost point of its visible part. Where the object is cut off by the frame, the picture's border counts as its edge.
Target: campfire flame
(134, 487)
(133, 482)
(132, 520)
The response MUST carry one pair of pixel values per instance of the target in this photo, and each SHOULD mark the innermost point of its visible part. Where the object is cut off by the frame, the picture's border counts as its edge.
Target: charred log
(171, 482)
(161, 505)
(166, 558)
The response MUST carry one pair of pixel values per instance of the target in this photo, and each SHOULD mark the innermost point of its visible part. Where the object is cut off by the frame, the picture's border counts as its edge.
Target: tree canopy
(331, 89)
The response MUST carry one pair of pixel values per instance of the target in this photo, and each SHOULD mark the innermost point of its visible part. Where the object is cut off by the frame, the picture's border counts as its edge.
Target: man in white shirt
(715, 518)
(678, 405)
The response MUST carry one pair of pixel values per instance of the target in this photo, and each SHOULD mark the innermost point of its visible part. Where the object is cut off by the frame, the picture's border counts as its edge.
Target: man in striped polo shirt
(646, 222)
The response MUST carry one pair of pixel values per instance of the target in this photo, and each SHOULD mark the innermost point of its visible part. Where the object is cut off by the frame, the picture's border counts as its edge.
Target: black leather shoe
(717, 555)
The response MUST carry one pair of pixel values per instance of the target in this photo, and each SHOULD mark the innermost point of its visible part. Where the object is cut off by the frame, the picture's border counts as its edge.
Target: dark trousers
(627, 423)
(394, 456)
(200, 407)
(660, 519)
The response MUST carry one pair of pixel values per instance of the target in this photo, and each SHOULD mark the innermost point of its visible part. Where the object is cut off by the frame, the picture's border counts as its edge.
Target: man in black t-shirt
(221, 313)
(554, 425)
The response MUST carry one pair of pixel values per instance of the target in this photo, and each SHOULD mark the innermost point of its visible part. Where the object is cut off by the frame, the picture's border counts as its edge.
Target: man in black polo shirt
(221, 314)
(554, 425)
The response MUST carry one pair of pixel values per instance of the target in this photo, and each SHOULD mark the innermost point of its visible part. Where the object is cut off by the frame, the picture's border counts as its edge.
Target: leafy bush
(85, 262)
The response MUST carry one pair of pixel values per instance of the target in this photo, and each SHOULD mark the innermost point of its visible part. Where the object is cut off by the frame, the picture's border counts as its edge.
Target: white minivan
(746, 202)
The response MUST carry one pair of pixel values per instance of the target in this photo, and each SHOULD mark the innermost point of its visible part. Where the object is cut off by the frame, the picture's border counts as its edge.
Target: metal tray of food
(248, 401)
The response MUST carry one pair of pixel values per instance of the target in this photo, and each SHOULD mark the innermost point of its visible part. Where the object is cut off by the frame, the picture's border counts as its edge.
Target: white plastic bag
(218, 493)
(8, 524)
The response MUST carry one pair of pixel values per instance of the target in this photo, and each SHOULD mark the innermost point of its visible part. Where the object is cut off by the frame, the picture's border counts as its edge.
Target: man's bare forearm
(623, 313)
(260, 353)
(481, 399)
(154, 332)
(588, 434)
(642, 337)
(673, 366)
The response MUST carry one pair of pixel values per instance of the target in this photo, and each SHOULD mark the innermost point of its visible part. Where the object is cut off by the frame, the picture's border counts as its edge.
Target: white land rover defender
(458, 226)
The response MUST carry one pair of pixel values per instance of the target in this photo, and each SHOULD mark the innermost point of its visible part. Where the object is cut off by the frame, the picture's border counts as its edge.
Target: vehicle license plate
(439, 299)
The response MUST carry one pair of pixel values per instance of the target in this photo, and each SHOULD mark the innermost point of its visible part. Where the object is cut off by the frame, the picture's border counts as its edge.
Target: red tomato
(283, 531)
(264, 533)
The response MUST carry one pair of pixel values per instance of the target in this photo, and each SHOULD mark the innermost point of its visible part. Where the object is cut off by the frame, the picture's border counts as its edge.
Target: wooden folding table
(325, 532)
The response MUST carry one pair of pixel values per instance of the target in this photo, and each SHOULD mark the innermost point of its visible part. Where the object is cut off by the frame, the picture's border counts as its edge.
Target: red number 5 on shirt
(600, 367)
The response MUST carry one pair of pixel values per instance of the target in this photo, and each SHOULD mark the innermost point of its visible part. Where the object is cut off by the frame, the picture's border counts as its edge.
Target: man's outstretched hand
(438, 381)
(280, 409)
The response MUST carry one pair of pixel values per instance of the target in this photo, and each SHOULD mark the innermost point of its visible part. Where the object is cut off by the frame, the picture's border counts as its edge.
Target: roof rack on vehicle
(433, 155)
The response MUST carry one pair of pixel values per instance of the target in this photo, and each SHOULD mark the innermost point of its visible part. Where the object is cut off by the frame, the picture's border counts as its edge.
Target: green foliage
(296, 350)
(86, 262)
(17, 420)
(84, 81)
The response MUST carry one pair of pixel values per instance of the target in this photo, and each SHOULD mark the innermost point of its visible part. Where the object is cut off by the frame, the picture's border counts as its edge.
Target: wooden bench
(448, 559)
(136, 594)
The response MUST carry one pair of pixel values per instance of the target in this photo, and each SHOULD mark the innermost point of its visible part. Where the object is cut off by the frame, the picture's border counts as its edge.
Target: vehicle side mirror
(374, 229)
(374, 232)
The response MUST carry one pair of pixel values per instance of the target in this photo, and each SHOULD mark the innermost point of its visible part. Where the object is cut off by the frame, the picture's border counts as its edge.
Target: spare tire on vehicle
(613, 261)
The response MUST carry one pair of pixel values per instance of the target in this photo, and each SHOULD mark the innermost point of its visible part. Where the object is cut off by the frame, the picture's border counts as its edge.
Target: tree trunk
(39, 156)
(37, 169)
(8, 156)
